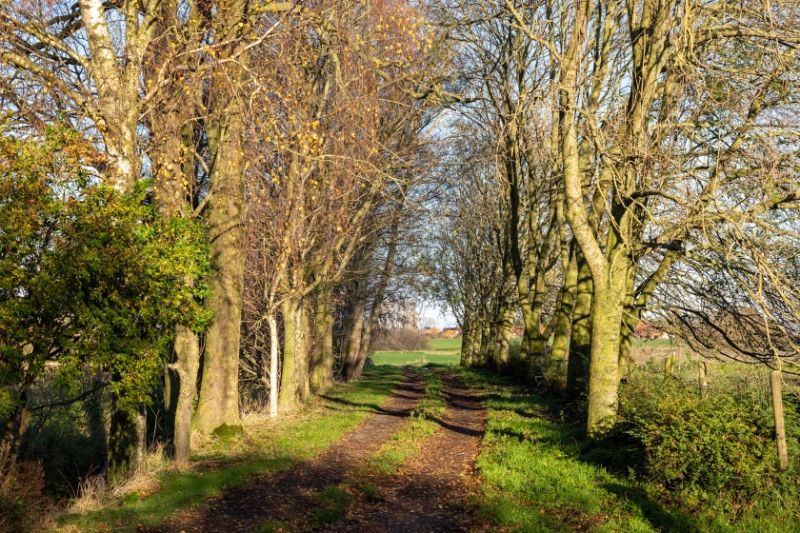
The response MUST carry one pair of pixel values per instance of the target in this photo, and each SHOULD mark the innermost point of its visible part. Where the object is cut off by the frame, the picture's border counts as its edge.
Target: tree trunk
(219, 390)
(604, 361)
(503, 329)
(323, 358)
(702, 378)
(630, 318)
(466, 342)
(186, 366)
(302, 363)
(776, 385)
(273, 366)
(487, 337)
(538, 342)
(288, 394)
(559, 353)
(352, 363)
(581, 336)
(15, 427)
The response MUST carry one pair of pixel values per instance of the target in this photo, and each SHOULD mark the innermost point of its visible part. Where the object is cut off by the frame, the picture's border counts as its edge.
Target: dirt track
(432, 492)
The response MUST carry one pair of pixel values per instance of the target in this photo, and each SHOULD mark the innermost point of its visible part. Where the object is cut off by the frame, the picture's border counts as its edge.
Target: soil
(434, 491)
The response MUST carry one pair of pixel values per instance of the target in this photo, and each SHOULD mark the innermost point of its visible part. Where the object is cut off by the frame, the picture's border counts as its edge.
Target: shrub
(23, 506)
(400, 339)
(701, 449)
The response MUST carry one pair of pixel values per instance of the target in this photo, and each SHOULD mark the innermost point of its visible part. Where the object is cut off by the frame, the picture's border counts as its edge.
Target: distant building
(431, 332)
(450, 333)
(646, 330)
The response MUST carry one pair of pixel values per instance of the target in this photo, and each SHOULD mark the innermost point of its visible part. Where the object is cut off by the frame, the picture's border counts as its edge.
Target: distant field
(442, 345)
(438, 351)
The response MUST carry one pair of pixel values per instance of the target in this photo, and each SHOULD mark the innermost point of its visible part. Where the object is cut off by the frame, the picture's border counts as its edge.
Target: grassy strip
(534, 478)
(408, 440)
(265, 446)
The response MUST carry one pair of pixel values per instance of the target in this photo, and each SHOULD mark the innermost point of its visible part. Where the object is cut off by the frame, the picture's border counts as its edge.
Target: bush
(701, 449)
(69, 441)
(23, 506)
(401, 339)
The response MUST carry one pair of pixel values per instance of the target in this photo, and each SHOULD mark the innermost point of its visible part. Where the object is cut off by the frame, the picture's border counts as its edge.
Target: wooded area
(206, 205)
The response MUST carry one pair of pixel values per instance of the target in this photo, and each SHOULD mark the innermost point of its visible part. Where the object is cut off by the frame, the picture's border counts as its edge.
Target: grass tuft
(332, 504)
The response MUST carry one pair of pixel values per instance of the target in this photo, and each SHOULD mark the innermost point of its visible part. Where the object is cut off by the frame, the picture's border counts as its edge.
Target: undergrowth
(675, 463)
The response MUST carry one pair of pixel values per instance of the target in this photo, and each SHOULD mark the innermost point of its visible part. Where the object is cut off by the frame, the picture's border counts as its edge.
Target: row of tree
(218, 203)
(615, 160)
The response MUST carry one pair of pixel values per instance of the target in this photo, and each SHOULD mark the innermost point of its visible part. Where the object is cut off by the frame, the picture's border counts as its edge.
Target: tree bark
(15, 427)
(581, 336)
(186, 366)
(466, 342)
(302, 363)
(503, 329)
(702, 378)
(352, 364)
(288, 394)
(559, 353)
(604, 356)
(219, 390)
(323, 358)
(273, 366)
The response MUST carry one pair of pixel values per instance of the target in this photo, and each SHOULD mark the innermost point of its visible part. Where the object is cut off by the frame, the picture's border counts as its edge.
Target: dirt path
(437, 489)
(292, 491)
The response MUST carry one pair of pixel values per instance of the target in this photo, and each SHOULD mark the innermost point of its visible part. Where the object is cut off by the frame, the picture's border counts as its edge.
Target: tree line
(619, 161)
(202, 204)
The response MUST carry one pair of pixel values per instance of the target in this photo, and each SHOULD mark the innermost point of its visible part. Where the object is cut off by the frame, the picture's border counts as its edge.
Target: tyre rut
(437, 490)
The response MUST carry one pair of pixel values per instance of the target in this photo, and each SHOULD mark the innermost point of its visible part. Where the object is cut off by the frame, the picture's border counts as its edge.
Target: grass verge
(264, 446)
(534, 479)
(537, 476)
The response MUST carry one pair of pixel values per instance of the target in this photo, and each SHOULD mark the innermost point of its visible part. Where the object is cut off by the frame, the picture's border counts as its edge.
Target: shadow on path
(292, 491)
(434, 491)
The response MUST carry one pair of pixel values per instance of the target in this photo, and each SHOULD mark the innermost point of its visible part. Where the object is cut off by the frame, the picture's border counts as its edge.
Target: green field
(438, 352)
(444, 345)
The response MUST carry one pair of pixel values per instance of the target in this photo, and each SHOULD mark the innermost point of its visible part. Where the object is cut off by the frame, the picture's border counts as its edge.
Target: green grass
(437, 352)
(449, 345)
(415, 358)
(332, 504)
(654, 343)
(265, 447)
(534, 478)
(408, 440)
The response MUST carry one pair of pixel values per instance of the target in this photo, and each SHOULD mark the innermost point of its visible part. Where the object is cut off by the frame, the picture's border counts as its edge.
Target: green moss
(227, 433)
